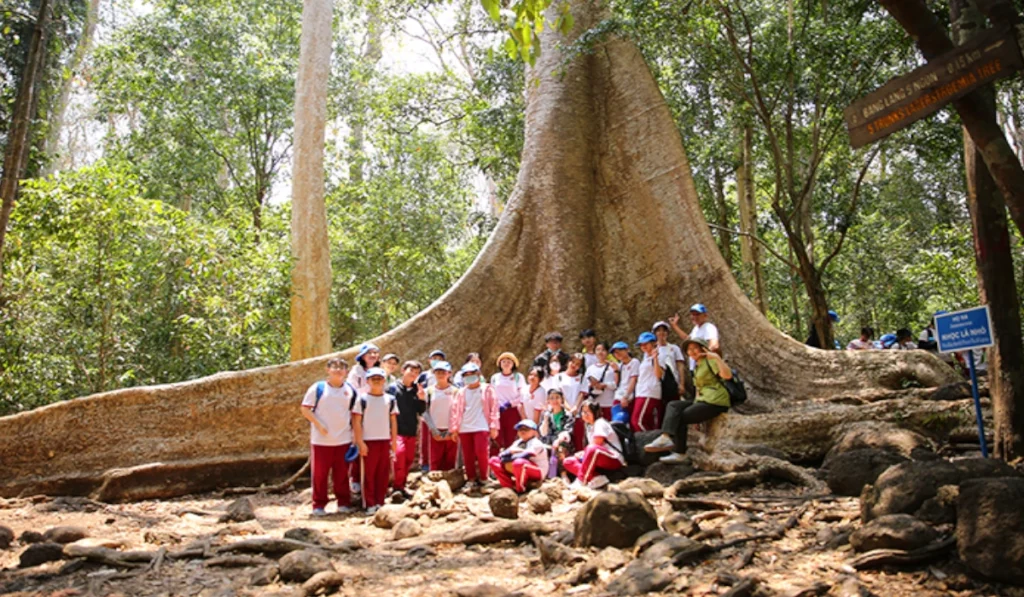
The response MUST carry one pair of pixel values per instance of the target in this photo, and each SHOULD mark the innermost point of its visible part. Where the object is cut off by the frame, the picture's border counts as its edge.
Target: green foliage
(524, 21)
(105, 289)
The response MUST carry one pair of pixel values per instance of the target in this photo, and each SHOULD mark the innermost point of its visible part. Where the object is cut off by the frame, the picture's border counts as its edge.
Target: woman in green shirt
(712, 397)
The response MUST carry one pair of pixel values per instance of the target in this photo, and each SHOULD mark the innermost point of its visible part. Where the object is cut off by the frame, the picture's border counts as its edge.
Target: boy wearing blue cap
(648, 386)
(375, 426)
(326, 406)
(524, 461)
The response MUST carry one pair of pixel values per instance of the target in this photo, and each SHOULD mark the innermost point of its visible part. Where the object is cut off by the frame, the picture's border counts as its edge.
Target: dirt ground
(810, 558)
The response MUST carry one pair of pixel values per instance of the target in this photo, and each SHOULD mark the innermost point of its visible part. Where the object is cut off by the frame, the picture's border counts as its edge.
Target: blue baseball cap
(698, 308)
(645, 338)
(443, 366)
(376, 372)
(620, 345)
(365, 348)
(526, 423)
(833, 316)
(471, 367)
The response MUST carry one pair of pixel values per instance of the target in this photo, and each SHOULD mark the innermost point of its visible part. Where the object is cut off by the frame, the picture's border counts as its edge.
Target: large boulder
(301, 565)
(892, 531)
(990, 527)
(504, 503)
(849, 472)
(615, 519)
(906, 487)
(881, 436)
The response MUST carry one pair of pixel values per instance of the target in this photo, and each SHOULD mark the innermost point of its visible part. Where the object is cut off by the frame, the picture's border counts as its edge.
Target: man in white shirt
(327, 405)
(703, 329)
(864, 342)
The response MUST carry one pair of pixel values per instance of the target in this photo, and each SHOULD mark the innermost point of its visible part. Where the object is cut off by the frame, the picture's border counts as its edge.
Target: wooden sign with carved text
(907, 99)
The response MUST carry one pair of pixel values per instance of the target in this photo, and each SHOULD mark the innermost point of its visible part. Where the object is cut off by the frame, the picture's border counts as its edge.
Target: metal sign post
(967, 330)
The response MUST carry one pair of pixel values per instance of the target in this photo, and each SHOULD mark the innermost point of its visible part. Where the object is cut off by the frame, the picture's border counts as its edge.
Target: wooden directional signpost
(907, 99)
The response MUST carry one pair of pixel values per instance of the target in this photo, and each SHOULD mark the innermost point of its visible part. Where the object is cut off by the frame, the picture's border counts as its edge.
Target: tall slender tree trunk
(994, 260)
(59, 112)
(18, 135)
(722, 211)
(750, 250)
(371, 56)
(311, 272)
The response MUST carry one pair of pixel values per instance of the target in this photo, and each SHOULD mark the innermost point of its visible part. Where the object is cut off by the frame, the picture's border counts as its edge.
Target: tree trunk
(750, 250)
(311, 272)
(21, 123)
(988, 137)
(605, 186)
(722, 211)
(371, 56)
(60, 108)
(994, 260)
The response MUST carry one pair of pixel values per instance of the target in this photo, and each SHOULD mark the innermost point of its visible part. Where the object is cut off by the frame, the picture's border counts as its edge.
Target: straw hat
(509, 356)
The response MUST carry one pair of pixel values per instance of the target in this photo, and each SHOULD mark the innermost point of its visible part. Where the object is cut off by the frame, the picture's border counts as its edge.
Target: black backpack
(629, 449)
(737, 391)
(669, 385)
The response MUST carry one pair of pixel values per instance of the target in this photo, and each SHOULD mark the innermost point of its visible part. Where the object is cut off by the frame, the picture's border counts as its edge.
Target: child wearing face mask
(473, 422)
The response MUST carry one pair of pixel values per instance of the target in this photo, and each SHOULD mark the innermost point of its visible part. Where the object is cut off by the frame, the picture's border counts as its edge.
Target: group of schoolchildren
(559, 419)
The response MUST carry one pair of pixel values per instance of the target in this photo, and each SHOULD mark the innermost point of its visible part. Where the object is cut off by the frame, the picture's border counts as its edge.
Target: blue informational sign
(964, 330)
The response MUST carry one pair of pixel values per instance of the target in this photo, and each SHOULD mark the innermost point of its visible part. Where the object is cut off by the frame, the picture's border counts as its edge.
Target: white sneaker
(345, 510)
(318, 512)
(598, 482)
(675, 458)
(663, 443)
(372, 510)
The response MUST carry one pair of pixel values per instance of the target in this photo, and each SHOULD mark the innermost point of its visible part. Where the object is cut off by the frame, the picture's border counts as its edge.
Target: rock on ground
(504, 503)
(240, 510)
(300, 566)
(906, 487)
(990, 527)
(65, 534)
(6, 537)
(307, 535)
(892, 531)
(484, 590)
(678, 523)
(849, 472)
(614, 518)
(40, 553)
(406, 528)
(390, 515)
(648, 488)
(888, 437)
(673, 550)
(29, 537)
(539, 502)
(638, 579)
(264, 575)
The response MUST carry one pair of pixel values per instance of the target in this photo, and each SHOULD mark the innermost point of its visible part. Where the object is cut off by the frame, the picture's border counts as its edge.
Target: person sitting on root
(603, 452)
(524, 461)
(712, 400)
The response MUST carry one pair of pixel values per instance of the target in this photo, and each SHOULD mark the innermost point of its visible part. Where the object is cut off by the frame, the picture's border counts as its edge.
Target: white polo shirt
(332, 412)
(376, 415)
(441, 405)
(647, 385)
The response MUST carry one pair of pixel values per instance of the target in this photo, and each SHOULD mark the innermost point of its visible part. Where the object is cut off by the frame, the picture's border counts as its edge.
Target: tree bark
(988, 137)
(996, 285)
(311, 272)
(18, 135)
(60, 108)
(603, 230)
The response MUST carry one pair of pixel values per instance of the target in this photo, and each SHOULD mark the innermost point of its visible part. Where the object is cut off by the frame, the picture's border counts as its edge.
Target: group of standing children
(557, 418)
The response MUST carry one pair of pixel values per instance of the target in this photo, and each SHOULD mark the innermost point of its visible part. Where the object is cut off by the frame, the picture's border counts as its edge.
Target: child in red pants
(411, 401)
(326, 406)
(526, 460)
(647, 405)
(375, 426)
(474, 422)
(603, 453)
(441, 451)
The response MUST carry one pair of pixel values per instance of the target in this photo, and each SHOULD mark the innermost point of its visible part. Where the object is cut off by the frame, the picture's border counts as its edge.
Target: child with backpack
(474, 421)
(646, 405)
(524, 461)
(673, 362)
(604, 452)
(600, 383)
(712, 400)
(411, 401)
(375, 426)
(327, 406)
(510, 390)
(441, 451)
(629, 369)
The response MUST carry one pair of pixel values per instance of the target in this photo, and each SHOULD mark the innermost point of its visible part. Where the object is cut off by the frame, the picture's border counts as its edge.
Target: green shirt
(709, 386)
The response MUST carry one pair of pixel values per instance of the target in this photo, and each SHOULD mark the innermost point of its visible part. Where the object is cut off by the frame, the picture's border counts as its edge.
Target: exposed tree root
(897, 557)
(494, 532)
(236, 561)
(281, 487)
(323, 583)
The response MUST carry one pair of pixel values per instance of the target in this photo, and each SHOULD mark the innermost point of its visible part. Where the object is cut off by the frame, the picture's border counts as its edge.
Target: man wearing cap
(646, 411)
(411, 400)
(375, 426)
(441, 452)
(524, 461)
(553, 342)
(702, 329)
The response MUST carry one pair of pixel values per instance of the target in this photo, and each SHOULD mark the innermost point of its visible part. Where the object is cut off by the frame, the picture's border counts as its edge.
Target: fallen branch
(495, 532)
(270, 546)
(236, 561)
(279, 488)
(110, 557)
(897, 557)
(726, 482)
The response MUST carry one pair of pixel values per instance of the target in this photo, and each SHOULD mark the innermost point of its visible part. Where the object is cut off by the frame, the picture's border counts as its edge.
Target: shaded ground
(809, 558)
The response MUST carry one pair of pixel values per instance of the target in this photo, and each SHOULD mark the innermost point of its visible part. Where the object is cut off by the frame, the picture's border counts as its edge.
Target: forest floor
(811, 556)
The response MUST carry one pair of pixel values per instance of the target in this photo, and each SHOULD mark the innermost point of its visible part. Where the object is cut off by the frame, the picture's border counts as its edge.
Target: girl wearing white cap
(524, 461)
(510, 390)
(474, 421)
(367, 358)
(375, 426)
